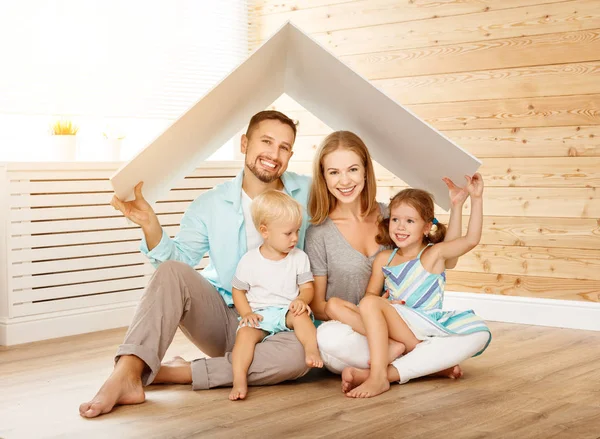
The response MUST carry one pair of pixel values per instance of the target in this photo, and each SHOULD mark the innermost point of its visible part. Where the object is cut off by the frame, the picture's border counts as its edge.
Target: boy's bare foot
(352, 377)
(454, 373)
(372, 386)
(238, 391)
(121, 387)
(313, 359)
(175, 371)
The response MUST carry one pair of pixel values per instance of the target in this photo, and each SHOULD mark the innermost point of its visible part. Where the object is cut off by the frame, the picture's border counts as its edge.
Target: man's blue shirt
(214, 223)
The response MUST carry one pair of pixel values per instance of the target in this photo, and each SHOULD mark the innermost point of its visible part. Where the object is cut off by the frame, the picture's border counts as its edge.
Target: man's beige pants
(178, 296)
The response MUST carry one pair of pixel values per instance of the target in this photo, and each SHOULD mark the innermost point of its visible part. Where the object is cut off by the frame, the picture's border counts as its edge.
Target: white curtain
(119, 67)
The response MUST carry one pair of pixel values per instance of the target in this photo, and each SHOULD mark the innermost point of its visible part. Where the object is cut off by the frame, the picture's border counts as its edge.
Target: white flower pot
(113, 149)
(63, 148)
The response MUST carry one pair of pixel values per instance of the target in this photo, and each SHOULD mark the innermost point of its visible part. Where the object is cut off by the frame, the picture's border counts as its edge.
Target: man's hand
(251, 319)
(475, 186)
(298, 306)
(138, 210)
(458, 195)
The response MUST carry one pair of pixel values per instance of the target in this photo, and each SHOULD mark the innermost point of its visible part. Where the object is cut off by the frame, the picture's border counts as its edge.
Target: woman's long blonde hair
(321, 202)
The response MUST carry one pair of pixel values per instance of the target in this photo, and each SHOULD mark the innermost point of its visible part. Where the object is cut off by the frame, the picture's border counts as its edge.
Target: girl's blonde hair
(275, 205)
(422, 202)
(321, 202)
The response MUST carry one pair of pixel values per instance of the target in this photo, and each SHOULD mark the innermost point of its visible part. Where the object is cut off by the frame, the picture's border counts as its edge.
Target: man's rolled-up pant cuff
(146, 355)
(199, 374)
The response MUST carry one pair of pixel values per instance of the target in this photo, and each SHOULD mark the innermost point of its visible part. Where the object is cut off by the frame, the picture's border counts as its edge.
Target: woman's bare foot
(174, 371)
(122, 387)
(352, 377)
(313, 359)
(238, 391)
(372, 386)
(454, 373)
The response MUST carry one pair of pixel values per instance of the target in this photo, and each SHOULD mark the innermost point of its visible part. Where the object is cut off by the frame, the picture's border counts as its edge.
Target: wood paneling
(526, 286)
(328, 16)
(520, 82)
(509, 23)
(560, 48)
(533, 261)
(568, 233)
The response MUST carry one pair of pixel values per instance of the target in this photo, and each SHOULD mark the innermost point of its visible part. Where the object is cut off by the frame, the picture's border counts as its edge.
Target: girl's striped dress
(423, 295)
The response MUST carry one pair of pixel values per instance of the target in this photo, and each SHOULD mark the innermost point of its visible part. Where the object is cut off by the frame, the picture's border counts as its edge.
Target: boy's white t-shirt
(253, 238)
(272, 283)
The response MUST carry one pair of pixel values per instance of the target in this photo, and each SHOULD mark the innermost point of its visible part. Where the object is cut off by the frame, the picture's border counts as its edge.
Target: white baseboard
(35, 328)
(528, 310)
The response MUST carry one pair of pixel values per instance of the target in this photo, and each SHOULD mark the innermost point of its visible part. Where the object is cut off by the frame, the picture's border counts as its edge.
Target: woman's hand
(251, 319)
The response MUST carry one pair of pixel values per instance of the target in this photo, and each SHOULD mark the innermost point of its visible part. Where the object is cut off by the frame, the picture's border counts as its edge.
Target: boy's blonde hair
(275, 205)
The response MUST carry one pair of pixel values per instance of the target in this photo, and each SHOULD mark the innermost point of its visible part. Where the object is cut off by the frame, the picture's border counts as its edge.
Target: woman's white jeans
(341, 347)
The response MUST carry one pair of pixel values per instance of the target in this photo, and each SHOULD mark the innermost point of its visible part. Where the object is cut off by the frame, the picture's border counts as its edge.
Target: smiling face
(407, 227)
(268, 149)
(344, 175)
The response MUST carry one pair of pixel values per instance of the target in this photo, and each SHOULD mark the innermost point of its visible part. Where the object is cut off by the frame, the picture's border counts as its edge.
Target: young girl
(414, 279)
(272, 287)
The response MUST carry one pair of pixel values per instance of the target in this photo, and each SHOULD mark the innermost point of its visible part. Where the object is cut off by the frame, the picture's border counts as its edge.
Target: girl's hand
(475, 185)
(251, 319)
(298, 306)
(458, 195)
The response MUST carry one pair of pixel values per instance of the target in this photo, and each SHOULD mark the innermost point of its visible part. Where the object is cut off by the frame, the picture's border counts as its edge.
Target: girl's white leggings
(341, 347)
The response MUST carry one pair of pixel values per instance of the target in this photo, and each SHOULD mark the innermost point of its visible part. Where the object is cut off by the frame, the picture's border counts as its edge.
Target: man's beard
(262, 176)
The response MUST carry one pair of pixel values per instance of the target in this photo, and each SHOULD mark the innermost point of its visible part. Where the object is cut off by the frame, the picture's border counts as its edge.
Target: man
(217, 222)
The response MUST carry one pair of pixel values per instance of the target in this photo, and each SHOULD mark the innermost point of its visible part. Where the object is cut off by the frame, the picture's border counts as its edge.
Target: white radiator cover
(70, 263)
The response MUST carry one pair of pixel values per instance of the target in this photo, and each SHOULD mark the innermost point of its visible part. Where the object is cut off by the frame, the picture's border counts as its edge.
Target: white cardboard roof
(291, 62)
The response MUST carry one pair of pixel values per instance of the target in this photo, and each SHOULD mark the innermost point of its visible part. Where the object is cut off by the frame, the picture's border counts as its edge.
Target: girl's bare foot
(238, 391)
(313, 359)
(372, 386)
(395, 349)
(175, 371)
(454, 373)
(121, 387)
(352, 377)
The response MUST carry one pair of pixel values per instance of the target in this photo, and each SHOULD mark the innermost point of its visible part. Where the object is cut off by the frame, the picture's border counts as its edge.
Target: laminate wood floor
(532, 382)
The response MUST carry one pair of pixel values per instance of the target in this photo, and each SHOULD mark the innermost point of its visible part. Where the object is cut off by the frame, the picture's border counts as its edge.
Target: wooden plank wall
(516, 83)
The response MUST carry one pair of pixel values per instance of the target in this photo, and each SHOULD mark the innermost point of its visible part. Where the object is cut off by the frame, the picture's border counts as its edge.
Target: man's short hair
(270, 115)
(274, 205)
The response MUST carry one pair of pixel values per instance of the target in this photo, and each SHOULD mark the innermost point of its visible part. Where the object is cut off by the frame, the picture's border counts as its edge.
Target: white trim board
(528, 310)
(33, 328)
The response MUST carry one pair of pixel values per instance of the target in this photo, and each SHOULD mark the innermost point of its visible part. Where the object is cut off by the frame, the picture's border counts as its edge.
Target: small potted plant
(64, 142)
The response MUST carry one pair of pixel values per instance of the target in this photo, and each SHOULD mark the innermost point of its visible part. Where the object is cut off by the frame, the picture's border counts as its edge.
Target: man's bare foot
(454, 373)
(372, 386)
(352, 377)
(121, 387)
(313, 359)
(174, 371)
(238, 391)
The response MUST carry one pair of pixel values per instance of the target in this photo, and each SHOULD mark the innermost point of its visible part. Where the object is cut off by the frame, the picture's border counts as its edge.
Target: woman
(341, 247)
